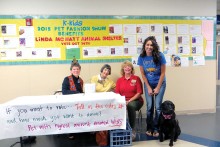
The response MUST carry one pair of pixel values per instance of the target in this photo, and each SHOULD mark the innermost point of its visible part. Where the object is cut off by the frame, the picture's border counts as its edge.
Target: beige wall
(110, 7)
(193, 89)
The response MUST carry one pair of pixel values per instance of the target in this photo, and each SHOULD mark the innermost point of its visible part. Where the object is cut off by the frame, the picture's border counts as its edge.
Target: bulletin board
(58, 39)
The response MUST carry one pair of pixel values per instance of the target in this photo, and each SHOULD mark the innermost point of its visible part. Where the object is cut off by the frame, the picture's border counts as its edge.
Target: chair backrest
(58, 92)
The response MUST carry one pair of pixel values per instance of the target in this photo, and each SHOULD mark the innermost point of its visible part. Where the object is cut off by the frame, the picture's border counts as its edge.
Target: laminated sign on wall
(56, 39)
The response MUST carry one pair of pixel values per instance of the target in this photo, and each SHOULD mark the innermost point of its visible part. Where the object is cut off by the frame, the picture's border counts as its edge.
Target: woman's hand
(156, 90)
(150, 91)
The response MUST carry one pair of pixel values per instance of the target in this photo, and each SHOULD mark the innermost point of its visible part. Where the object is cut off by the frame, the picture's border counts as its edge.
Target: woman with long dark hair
(152, 67)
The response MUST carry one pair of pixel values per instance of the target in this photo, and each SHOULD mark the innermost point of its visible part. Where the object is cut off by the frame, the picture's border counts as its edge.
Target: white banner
(58, 114)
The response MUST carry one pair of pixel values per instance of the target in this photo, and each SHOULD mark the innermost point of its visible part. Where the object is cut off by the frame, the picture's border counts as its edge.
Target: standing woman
(73, 84)
(130, 86)
(152, 67)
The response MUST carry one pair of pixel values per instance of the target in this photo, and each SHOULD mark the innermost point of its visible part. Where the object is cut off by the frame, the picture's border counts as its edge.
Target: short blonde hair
(127, 63)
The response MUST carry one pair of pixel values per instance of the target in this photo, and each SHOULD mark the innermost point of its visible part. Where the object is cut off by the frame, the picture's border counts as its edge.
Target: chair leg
(21, 142)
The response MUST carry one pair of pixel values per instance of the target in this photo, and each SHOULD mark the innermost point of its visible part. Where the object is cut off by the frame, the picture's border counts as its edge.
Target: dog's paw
(175, 139)
(161, 140)
(170, 144)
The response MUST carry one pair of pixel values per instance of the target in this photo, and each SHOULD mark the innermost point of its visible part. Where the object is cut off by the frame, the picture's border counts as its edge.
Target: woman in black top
(73, 84)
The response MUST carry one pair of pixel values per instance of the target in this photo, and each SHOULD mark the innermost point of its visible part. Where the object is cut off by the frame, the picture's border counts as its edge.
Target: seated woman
(102, 82)
(130, 86)
(73, 84)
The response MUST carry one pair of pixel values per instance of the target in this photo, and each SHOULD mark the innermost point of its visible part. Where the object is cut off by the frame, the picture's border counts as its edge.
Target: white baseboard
(190, 112)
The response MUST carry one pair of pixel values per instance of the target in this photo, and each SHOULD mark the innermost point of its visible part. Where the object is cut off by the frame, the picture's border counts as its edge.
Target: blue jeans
(152, 121)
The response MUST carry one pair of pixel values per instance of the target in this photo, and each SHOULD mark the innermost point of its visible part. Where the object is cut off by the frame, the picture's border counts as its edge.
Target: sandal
(149, 133)
(133, 135)
(155, 134)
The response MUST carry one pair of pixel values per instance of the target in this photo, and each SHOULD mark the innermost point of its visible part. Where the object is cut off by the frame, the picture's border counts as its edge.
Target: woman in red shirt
(130, 86)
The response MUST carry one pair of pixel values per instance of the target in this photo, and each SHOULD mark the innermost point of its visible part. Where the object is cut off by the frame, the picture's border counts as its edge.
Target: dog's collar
(167, 116)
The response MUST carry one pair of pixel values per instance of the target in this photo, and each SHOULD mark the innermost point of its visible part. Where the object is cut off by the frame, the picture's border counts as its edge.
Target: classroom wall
(193, 89)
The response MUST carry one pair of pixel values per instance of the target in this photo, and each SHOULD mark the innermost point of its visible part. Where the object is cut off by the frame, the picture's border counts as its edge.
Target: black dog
(168, 124)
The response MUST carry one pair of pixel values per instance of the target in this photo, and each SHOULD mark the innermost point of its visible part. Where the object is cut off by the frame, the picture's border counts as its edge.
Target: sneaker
(133, 135)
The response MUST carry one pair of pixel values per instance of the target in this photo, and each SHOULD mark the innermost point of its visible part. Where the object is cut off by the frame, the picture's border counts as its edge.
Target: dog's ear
(173, 106)
(170, 103)
(162, 106)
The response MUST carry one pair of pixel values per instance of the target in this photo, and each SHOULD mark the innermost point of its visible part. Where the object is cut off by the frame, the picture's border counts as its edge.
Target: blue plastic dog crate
(121, 137)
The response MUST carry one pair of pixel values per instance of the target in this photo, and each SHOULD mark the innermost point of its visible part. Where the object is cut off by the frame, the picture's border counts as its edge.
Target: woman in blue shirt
(152, 67)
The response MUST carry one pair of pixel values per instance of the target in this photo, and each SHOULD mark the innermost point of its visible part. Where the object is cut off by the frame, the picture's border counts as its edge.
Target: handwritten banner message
(43, 115)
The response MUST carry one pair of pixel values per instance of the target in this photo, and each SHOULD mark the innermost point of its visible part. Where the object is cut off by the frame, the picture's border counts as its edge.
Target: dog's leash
(154, 97)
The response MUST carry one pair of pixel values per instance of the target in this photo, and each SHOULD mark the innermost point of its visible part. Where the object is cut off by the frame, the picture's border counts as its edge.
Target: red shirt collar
(131, 77)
